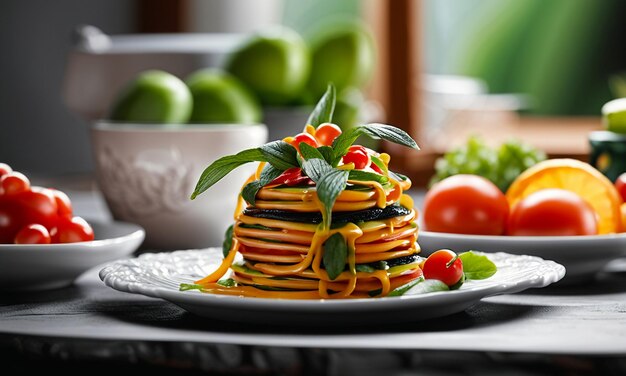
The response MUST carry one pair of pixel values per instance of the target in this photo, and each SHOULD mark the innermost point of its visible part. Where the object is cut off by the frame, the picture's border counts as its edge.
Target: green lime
(614, 115)
(219, 97)
(153, 97)
(273, 64)
(343, 54)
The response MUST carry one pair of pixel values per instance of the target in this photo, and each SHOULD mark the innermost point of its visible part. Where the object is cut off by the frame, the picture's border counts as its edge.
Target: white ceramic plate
(48, 266)
(582, 256)
(159, 276)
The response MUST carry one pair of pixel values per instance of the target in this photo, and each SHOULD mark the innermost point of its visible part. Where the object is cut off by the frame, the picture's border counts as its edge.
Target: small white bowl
(30, 267)
(147, 173)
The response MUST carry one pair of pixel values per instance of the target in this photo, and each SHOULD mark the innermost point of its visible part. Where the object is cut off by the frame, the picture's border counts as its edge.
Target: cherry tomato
(357, 155)
(64, 205)
(552, 212)
(620, 185)
(14, 182)
(291, 177)
(33, 234)
(25, 208)
(303, 137)
(465, 204)
(327, 133)
(4, 169)
(71, 230)
(445, 266)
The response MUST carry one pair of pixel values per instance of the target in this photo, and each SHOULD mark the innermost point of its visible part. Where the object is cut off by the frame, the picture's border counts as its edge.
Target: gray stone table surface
(588, 319)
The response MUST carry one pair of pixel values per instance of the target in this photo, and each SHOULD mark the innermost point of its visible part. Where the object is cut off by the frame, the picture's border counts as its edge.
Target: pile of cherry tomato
(470, 204)
(36, 215)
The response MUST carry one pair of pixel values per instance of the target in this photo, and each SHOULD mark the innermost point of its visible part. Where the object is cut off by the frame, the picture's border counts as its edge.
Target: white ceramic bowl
(28, 267)
(148, 172)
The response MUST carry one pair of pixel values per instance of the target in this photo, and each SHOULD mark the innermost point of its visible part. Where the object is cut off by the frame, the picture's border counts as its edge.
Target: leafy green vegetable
(367, 176)
(189, 286)
(477, 266)
(327, 152)
(329, 186)
(323, 111)
(279, 154)
(309, 152)
(316, 168)
(268, 174)
(420, 286)
(227, 282)
(380, 164)
(335, 255)
(228, 240)
(500, 166)
(364, 268)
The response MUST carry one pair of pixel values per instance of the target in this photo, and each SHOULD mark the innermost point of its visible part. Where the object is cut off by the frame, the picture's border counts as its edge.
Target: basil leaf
(383, 131)
(228, 240)
(268, 174)
(367, 176)
(227, 282)
(189, 286)
(280, 154)
(327, 152)
(323, 111)
(335, 255)
(476, 266)
(420, 286)
(328, 189)
(316, 168)
(309, 152)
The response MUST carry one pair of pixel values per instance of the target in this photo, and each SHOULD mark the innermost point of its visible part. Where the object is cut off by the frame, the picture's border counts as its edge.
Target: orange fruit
(578, 177)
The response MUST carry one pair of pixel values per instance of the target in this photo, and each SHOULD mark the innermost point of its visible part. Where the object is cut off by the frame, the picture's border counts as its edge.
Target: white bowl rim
(110, 125)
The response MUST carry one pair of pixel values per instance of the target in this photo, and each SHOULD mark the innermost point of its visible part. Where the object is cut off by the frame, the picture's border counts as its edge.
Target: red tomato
(327, 133)
(64, 205)
(292, 176)
(552, 212)
(4, 169)
(357, 155)
(445, 266)
(303, 137)
(71, 230)
(14, 182)
(620, 185)
(466, 204)
(33, 234)
(25, 208)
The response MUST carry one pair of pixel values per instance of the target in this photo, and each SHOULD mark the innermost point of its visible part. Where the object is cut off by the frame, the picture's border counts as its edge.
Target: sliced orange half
(578, 177)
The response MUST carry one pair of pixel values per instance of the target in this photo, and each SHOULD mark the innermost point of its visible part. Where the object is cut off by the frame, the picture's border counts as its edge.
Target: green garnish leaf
(329, 186)
(379, 162)
(365, 268)
(189, 286)
(227, 282)
(268, 174)
(477, 266)
(383, 131)
(420, 286)
(323, 111)
(228, 240)
(335, 255)
(460, 283)
(327, 152)
(279, 154)
(316, 168)
(309, 152)
(367, 176)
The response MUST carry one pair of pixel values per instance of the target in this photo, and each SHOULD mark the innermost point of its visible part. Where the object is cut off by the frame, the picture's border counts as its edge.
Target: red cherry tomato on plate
(71, 230)
(357, 154)
(303, 137)
(25, 208)
(64, 204)
(14, 182)
(327, 133)
(465, 204)
(445, 266)
(620, 185)
(552, 212)
(33, 234)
